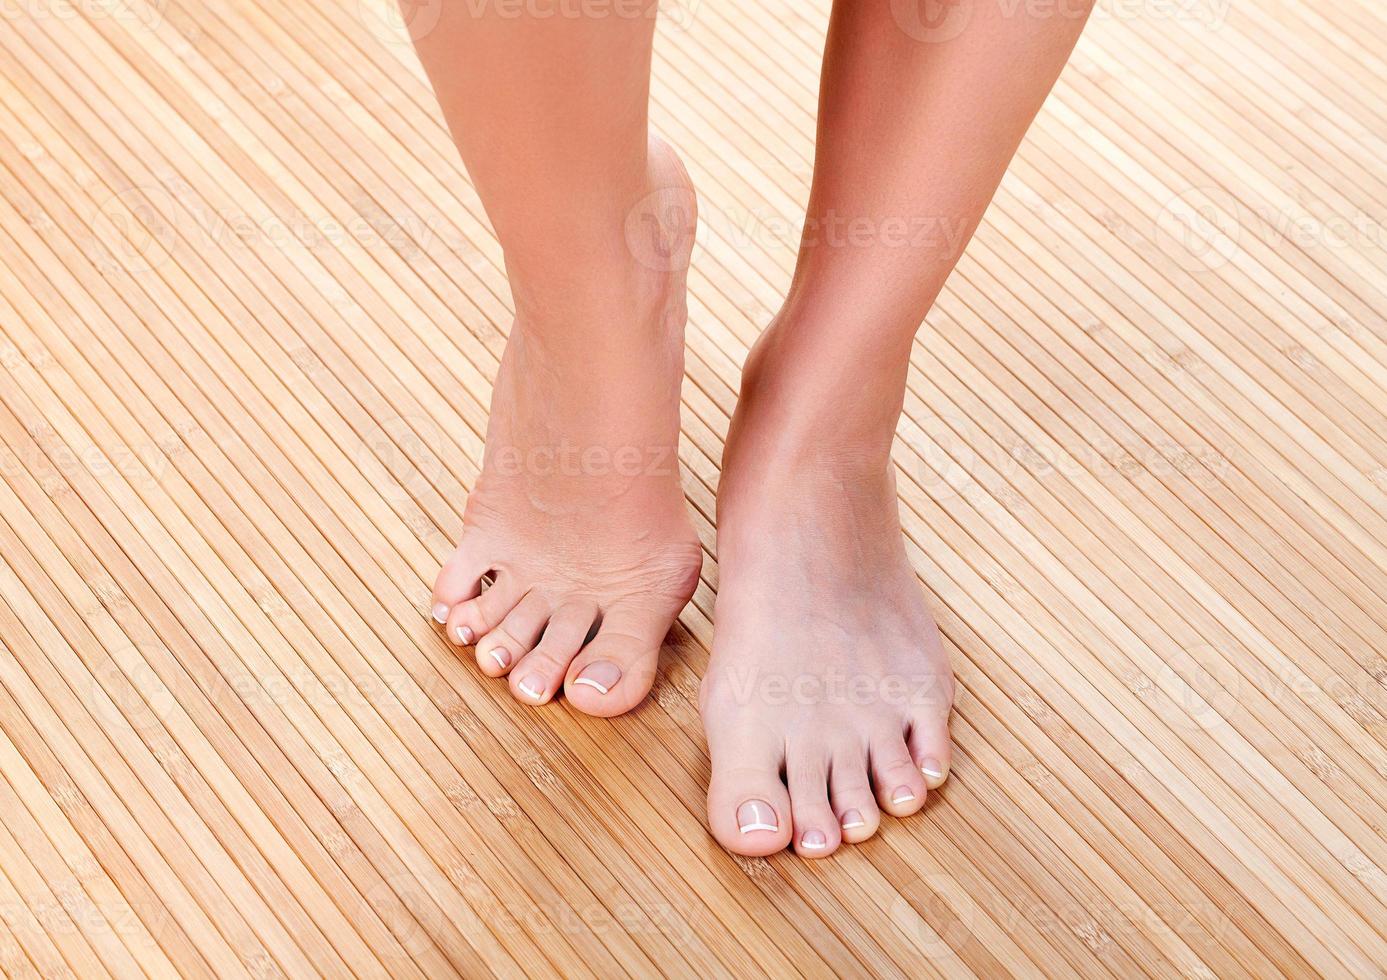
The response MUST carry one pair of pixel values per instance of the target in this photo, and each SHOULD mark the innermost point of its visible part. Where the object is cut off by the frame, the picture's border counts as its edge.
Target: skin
(827, 697)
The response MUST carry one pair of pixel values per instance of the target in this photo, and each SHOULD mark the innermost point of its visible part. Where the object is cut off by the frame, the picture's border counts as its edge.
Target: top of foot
(827, 697)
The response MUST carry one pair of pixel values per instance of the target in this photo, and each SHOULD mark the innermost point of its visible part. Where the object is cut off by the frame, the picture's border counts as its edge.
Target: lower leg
(578, 514)
(914, 138)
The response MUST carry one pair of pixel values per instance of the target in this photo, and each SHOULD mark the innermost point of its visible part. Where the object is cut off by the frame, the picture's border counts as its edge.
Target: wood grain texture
(250, 311)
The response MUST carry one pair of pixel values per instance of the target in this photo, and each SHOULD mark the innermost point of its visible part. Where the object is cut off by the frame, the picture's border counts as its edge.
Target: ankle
(589, 287)
(806, 405)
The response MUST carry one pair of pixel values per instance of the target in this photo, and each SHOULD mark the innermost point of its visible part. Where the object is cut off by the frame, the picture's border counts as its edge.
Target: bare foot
(828, 693)
(578, 514)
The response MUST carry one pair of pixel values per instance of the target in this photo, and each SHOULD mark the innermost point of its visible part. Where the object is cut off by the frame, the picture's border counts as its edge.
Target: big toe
(616, 670)
(748, 805)
(458, 580)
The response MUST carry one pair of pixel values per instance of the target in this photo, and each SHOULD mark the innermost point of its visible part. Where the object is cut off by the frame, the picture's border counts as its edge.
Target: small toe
(515, 636)
(748, 805)
(615, 671)
(850, 794)
(473, 618)
(458, 580)
(816, 831)
(537, 677)
(900, 786)
(930, 747)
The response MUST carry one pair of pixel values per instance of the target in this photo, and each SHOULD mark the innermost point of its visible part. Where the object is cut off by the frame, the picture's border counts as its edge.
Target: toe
(850, 794)
(473, 618)
(512, 638)
(816, 832)
(900, 786)
(929, 744)
(537, 676)
(748, 805)
(616, 670)
(458, 580)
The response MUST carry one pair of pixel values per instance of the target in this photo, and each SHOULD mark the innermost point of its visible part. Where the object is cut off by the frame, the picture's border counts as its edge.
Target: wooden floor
(249, 316)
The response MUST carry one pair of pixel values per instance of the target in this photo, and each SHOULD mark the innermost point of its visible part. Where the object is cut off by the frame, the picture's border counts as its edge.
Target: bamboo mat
(249, 314)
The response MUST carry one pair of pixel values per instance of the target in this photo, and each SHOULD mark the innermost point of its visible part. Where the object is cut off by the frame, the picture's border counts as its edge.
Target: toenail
(813, 840)
(934, 772)
(601, 675)
(501, 656)
(903, 794)
(465, 636)
(533, 687)
(440, 613)
(756, 815)
(852, 819)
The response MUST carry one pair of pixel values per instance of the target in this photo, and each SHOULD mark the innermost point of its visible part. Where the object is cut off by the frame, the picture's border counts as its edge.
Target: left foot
(578, 518)
(827, 696)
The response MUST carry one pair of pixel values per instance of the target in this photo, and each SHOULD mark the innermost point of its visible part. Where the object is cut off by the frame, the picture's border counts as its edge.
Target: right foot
(578, 515)
(827, 696)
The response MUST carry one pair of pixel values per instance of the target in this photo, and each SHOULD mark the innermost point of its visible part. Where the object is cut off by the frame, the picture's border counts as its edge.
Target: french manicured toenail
(853, 819)
(934, 772)
(465, 636)
(601, 675)
(440, 613)
(501, 656)
(533, 687)
(756, 815)
(813, 840)
(903, 794)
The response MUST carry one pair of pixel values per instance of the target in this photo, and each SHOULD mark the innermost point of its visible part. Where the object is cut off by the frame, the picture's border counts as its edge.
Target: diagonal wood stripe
(250, 315)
